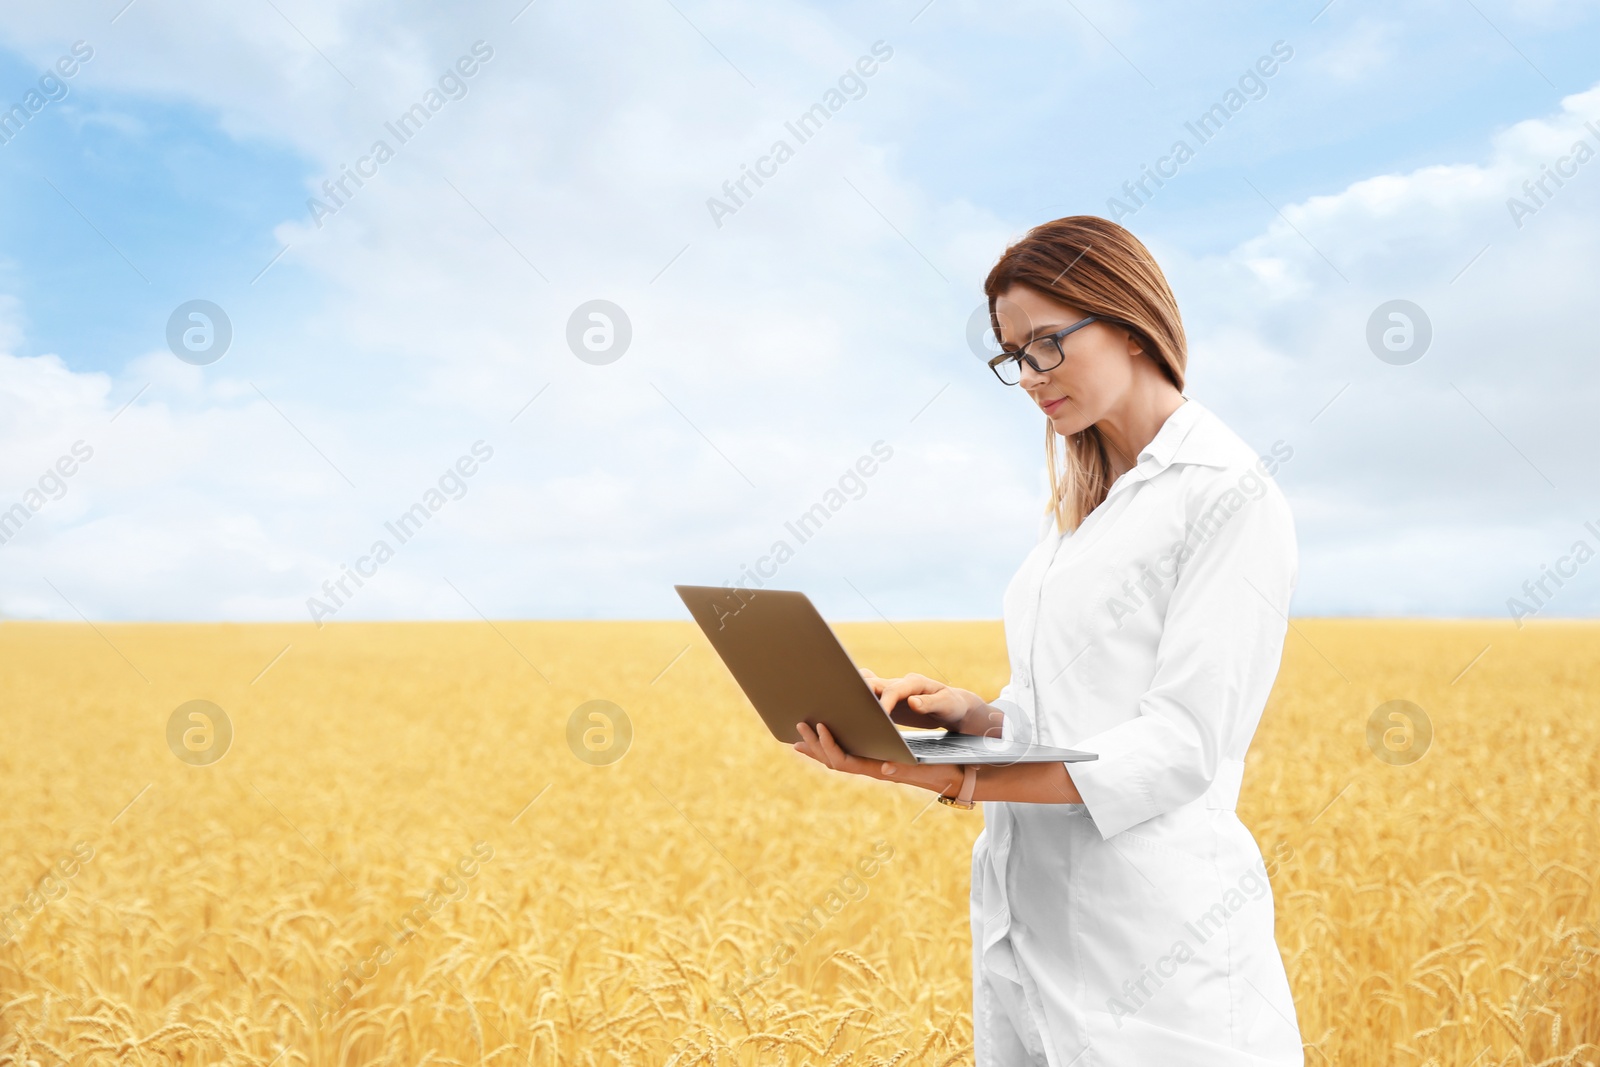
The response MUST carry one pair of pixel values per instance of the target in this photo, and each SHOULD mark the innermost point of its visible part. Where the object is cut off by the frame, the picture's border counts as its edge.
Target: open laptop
(793, 669)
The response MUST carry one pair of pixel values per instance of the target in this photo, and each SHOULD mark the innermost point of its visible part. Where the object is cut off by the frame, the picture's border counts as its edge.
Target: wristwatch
(969, 782)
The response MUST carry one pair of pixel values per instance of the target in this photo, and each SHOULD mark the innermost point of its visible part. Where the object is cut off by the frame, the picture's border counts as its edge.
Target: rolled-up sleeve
(1219, 650)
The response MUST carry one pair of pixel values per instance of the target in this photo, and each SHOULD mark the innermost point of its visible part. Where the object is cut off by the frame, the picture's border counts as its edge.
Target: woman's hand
(819, 744)
(932, 704)
(1027, 783)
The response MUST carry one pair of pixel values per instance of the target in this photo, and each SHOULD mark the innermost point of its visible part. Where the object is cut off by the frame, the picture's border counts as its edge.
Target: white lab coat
(1136, 928)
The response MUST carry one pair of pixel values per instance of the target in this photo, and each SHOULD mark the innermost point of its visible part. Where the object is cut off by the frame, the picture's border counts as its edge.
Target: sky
(423, 333)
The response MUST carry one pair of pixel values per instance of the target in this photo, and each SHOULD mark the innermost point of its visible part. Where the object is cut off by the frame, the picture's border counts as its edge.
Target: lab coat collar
(1191, 434)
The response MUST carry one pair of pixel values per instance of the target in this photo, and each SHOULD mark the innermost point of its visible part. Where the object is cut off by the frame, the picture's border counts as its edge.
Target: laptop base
(934, 747)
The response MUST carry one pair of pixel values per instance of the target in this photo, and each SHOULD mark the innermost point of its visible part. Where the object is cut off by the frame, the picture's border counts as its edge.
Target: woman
(1120, 911)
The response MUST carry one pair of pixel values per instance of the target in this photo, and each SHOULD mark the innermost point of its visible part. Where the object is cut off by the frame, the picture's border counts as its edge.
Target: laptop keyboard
(946, 742)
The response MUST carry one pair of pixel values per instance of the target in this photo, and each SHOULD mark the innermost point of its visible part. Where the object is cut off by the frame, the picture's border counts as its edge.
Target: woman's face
(1097, 370)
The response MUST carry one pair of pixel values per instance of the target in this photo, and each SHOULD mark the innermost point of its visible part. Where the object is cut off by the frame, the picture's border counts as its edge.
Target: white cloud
(776, 349)
(1467, 434)
(787, 340)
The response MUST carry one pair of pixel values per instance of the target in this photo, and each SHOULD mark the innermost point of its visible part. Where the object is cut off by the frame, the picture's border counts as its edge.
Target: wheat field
(401, 858)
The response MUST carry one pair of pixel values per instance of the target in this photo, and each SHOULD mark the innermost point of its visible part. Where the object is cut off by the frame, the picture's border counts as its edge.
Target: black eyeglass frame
(1023, 353)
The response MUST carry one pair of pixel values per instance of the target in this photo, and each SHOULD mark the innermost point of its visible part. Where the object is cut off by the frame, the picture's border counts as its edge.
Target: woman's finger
(947, 704)
(819, 749)
(838, 758)
(819, 743)
(808, 743)
(898, 689)
(830, 752)
(830, 747)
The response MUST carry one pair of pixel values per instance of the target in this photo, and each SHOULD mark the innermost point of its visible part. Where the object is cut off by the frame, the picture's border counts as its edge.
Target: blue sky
(192, 206)
(770, 352)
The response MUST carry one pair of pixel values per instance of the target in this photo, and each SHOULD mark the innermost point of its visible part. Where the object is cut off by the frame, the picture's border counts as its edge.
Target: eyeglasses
(1042, 353)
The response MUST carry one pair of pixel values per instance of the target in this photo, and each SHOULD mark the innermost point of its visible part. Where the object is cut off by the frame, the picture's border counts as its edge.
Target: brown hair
(1097, 265)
